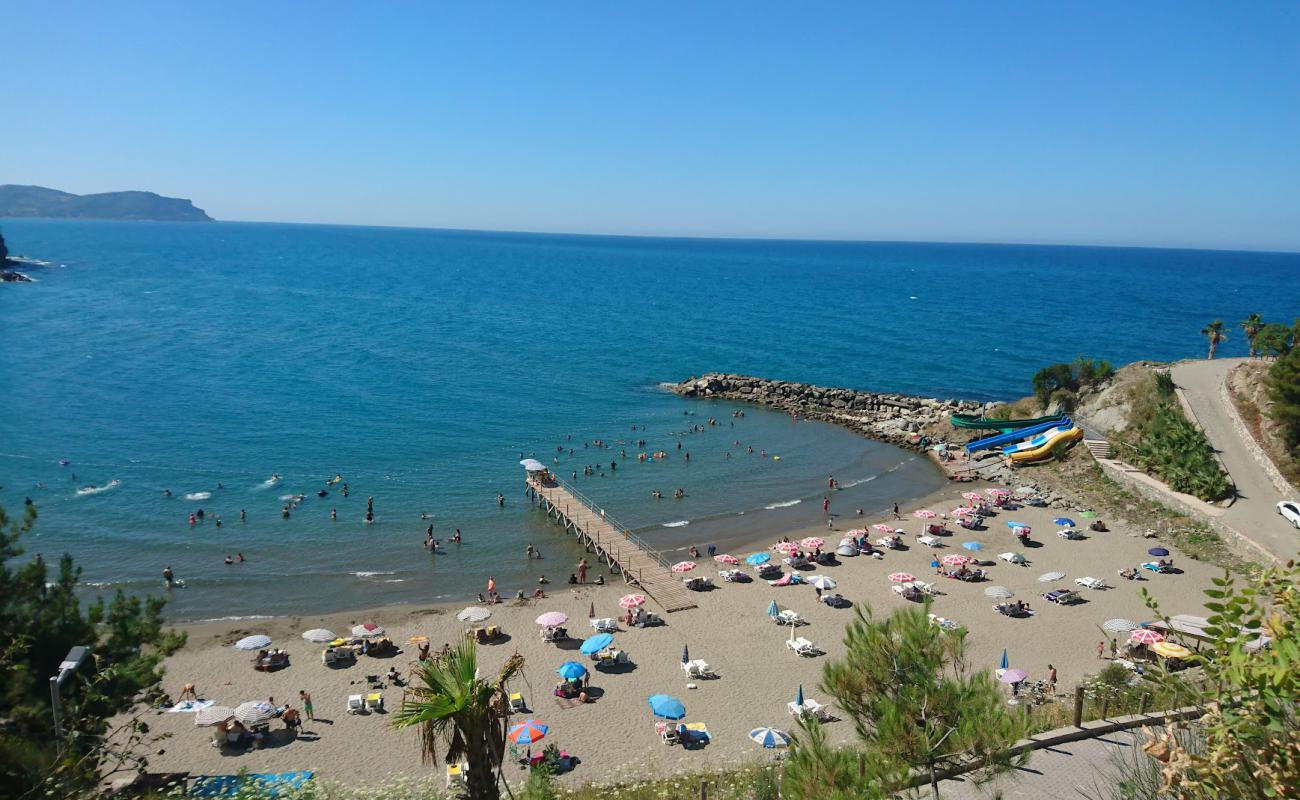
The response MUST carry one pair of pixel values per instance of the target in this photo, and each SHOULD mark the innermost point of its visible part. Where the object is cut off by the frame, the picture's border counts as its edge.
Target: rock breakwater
(894, 418)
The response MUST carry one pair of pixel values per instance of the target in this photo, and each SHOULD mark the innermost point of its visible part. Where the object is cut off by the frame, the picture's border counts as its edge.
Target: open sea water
(420, 364)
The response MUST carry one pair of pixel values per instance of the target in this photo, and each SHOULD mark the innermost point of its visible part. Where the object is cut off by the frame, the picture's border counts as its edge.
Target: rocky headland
(898, 419)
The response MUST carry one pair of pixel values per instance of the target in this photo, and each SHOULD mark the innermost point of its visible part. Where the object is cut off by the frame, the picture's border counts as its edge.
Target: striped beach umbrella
(881, 527)
(367, 629)
(726, 558)
(253, 642)
(213, 715)
(319, 635)
(1145, 636)
(552, 619)
(1118, 625)
(630, 601)
(999, 592)
(770, 737)
(772, 610)
(684, 566)
(924, 513)
(812, 543)
(1048, 577)
(822, 582)
(902, 577)
(527, 732)
(253, 713)
(785, 547)
(954, 560)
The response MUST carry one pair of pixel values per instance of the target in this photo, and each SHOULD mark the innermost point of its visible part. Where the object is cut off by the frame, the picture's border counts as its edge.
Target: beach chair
(1062, 596)
(375, 701)
(517, 704)
(802, 646)
(789, 617)
(455, 776)
(1012, 558)
(356, 704)
(1089, 582)
(929, 541)
(604, 625)
(924, 588)
(667, 733)
(700, 669)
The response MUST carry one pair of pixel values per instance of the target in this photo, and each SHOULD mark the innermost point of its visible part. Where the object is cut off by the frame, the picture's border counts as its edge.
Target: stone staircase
(1100, 448)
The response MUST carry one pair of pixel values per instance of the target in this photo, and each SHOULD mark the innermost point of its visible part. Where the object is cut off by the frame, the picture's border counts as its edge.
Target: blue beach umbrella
(757, 558)
(1011, 523)
(1158, 551)
(770, 737)
(798, 697)
(1066, 521)
(596, 643)
(1005, 662)
(571, 670)
(772, 610)
(666, 706)
(686, 654)
(972, 545)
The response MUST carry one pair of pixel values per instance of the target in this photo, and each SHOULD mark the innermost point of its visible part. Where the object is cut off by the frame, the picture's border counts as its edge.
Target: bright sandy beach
(614, 736)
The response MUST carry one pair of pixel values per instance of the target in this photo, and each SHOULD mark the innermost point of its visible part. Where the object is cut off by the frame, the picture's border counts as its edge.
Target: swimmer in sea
(167, 492)
(334, 513)
(456, 538)
(229, 560)
(243, 515)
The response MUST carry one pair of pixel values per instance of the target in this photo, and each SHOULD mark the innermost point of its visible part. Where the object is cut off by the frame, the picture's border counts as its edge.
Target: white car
(1290, 511)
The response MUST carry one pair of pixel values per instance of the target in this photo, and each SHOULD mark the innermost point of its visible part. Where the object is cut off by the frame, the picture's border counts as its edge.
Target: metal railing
(591, 506)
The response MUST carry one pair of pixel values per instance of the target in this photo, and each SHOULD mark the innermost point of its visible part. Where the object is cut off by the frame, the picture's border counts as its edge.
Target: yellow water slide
(1046, 449)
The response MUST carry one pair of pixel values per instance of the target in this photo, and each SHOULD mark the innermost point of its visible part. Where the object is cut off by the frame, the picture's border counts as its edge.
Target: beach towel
(190, 705)
(567, 702)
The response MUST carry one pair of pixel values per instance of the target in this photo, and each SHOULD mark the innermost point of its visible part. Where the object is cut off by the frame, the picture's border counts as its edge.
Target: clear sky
(1145, 123)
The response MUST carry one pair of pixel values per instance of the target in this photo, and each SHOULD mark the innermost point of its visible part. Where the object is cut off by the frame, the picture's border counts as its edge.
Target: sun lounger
(455, 776)
(375, 701)
(1062, 596)
(810, 708)
(1012, 558)
(356, 704)
(1089, 582)
(698, 669)
(943, 622)
(923, 587)
(928, 541)
(604, 625)
(667, 733)
(796, 563)
(1155, 567)
(732, 575)
(1012, 610)
(802, 646)
(789, 617)
(517, 703)
(1069, 533)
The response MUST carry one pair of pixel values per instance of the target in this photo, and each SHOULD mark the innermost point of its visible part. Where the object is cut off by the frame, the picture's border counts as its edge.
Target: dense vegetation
(1284, 391)
(1060, 384)
(41, 619)
(1167, 445)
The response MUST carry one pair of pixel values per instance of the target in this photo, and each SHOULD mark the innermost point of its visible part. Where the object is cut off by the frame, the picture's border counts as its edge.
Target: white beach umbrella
(213, 715)
(1048, 577)
(473, 614)
(367, 629)
(1118, 625)
(532, 465)
(319, 635)
(999, 592)
(822, 582)
(251, 713)
(253, 642)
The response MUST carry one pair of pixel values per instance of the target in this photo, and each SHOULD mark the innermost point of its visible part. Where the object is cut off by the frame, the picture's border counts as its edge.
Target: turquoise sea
(419, 364)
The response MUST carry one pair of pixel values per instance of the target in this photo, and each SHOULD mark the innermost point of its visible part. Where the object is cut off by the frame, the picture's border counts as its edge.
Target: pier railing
(610, 521)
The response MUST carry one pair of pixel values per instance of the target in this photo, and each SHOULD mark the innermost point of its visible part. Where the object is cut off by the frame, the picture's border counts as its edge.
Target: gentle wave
(851, 484)
(88, 490)
(681, 523)
(198, 495)
(786, 504)
(370, 574)
(236, 618)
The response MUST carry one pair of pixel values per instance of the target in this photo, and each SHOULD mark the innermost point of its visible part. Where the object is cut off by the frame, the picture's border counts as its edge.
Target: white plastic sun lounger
(1089, 582)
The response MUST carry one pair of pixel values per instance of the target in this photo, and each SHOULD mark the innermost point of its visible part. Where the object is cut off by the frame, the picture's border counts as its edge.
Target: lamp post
(71, 663)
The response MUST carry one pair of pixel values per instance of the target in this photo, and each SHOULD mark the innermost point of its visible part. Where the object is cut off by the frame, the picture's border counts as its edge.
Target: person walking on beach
(896, 514)
(1051, 679)
(305, 699)
(1101, 649)
(1114, 648)
(582, 571)
(826, 505)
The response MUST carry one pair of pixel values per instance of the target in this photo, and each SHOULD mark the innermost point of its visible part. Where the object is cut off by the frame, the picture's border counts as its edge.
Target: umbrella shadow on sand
(616, 669)
(568, 644)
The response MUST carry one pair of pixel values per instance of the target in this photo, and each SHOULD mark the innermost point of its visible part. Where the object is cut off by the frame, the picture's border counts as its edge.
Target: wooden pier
(610, 542)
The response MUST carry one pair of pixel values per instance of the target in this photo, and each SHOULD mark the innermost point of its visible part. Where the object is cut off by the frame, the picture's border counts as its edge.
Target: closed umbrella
(527, 732)
(1005, 661)
(822, 582)
(686, 654)
(770, 737)
(319, 635)
(1066, 521)
(1158, 551)
(1048, 577)
(684, 566)
(902, 577)
(571, 670)
(666, 706)
(596, 643)
(1145, 636)
(367, 630)
(253, 713)
(798, 696)
(772, 610)
(1118, 625)
(999, 592)
(552, 619)
(726, 558)
(629, 601)
(213, 715)
(591, 610)
(757, 558)
(974, 546)
(1013, 676)
(253, 642)
(473, 614)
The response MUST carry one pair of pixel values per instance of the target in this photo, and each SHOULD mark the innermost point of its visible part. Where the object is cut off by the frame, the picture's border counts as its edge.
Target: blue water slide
(1015, 436)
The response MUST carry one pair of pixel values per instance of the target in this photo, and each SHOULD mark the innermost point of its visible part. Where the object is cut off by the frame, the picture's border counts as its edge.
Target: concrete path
(1066, 772)
(1254, 513)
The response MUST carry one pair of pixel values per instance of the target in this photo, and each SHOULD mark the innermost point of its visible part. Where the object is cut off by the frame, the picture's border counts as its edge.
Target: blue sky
(1166, 124)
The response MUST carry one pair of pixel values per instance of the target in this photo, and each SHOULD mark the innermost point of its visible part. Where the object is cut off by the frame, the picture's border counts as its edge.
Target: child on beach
(306, 703)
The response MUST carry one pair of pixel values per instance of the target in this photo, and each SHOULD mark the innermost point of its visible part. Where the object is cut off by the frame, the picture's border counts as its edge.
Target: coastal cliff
(894, 418)
(38, 201)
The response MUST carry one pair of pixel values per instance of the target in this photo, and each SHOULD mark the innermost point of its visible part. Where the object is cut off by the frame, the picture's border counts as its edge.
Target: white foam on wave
(198, 495)
(786, 504)
(88, 490)
(395, 580)
(681, 523)
(851, 484)
(288, 496)
(371, 574)
(237, 618)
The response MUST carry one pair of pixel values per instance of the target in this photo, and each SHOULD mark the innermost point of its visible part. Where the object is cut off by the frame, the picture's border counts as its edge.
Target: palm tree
(1252, 326)
(1214, 332)
(449, 704)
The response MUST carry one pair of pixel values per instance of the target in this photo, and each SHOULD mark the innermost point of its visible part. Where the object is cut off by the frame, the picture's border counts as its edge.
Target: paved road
(1254, 513)
(1074, 771)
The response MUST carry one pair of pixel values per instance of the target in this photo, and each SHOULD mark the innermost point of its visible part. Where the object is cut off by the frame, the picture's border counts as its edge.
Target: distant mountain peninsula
(38, 201)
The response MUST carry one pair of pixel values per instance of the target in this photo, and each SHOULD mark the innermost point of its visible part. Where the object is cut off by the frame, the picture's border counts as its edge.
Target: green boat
(1004, 425)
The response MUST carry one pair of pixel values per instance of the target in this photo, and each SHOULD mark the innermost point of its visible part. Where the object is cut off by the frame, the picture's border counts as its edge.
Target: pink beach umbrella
(924, 513)
(726, 559)
(630, 601)
(953, 560)
(882, 528)
(785, 547)
(973, 497)
(552, 619)
(1145, 636)
(857, 533)
(684, 566)
(902, 577)
(812, 543)
(995, 492)
(962, 511)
